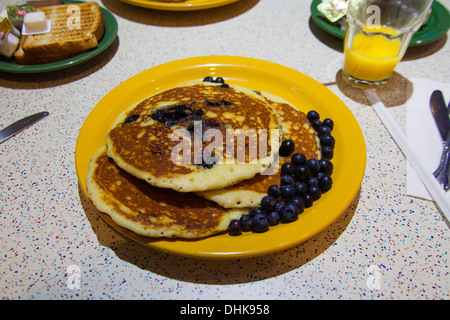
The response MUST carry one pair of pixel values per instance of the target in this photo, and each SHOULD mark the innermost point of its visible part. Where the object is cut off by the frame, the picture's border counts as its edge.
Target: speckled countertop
(47, 226)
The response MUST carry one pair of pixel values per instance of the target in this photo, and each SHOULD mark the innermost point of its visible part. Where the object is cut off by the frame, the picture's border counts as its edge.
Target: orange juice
(372, 57)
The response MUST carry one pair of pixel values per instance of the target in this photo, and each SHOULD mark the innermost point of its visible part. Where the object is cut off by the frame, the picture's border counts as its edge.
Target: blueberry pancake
(150, 211)
(295, 127)
(186, 138)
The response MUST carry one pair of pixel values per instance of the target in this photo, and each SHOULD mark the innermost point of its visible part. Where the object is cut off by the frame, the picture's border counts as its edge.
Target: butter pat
(35, 23)
(9, 44)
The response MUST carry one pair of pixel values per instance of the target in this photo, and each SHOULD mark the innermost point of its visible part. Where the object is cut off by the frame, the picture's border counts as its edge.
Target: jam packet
(5, 28)
(333, 10)
(8, 41)
(17, 12)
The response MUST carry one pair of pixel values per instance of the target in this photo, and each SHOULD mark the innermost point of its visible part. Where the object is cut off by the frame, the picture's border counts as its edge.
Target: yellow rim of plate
(297, 88)
(180, 6)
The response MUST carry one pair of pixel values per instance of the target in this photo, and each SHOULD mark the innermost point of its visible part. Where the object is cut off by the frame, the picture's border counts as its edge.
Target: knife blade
(21, 125)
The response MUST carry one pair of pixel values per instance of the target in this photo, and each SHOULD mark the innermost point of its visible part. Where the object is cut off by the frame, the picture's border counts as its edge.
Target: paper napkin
(422, 132)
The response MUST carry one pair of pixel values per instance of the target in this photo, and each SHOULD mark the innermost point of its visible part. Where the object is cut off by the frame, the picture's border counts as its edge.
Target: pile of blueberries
(216, 80)
(302, 182)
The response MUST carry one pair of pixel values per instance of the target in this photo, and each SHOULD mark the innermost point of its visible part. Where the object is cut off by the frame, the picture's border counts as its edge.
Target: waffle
(68, 36)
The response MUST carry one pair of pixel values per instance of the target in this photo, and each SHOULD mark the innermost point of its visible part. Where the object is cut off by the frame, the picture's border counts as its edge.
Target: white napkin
(422, 132)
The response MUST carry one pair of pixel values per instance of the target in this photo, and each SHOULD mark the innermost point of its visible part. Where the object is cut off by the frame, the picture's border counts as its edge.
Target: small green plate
(436, 26)
(111, 27)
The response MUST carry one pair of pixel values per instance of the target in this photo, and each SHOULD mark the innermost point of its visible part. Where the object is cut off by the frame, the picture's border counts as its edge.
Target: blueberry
(254, 211)
(308, 200)
(316, 124)
(313, 165)
(315, 192)
(224, 85)
(327, 152)
(273, 218)
(302, 173)
(300, 188)
(210, 123)
(225, 102)
(326, 166)
(268, 203)
(312, 115)
(260, 223)
(313, 182)
(131, 119)
(325, 183)
(279, 205)
(170, 123)
(329, 123)
(289, 213)
(298, 159)
(211, 104)
(234, 228)
(219, 80)
(323, 130)
(197, 113)
(286, 179)
(274, 191)
(287, 168)
(320, 175)
(286, 148)
(208, 79)
(287, 191)
(159, 115)
(299, 202)
(327, 140)
(246, 222)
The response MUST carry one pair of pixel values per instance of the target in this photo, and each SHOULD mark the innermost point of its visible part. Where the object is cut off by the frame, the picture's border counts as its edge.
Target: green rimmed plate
(111, 27)
(436, 26)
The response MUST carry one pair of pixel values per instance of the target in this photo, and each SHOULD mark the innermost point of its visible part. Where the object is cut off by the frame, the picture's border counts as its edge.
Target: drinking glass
(378, 34)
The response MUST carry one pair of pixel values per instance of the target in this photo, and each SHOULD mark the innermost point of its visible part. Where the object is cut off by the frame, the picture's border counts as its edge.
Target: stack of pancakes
(153, 175)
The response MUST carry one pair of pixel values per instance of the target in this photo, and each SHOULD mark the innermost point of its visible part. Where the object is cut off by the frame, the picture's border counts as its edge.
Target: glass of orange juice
(378, 34)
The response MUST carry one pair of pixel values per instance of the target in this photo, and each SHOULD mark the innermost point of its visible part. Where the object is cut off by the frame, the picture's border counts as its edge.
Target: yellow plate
(305, 93)
(179, 6)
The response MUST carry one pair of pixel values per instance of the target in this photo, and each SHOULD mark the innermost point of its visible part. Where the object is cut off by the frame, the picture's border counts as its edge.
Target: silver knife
(21, 125)
(440, 114)
(448, 167)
